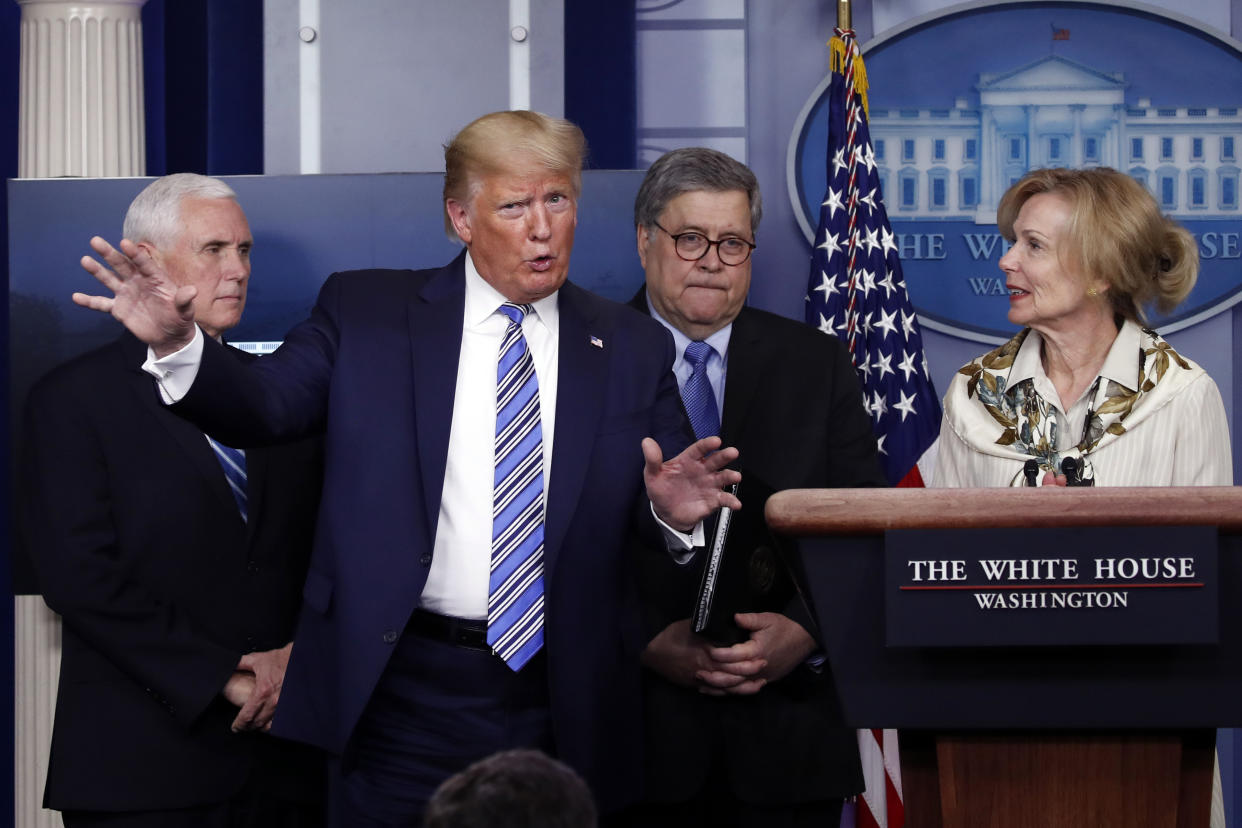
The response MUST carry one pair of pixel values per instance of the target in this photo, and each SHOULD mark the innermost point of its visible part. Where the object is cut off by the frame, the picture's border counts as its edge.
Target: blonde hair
(500, 141)
(1116, 233)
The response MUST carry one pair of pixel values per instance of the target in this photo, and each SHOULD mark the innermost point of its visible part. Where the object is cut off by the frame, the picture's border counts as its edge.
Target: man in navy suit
(407, 373)
(751, 734)
(178, 581)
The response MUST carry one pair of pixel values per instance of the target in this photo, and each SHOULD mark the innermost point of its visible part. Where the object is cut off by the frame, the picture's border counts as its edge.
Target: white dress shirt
(461, 560)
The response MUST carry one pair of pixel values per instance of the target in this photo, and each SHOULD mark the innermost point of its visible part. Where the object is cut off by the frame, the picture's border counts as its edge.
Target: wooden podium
(1026, 736)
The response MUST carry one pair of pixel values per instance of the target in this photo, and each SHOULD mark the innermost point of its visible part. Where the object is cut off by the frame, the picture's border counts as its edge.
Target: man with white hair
(176, 563)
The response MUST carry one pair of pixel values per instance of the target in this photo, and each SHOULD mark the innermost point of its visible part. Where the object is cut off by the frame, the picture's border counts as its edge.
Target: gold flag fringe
(837, 45)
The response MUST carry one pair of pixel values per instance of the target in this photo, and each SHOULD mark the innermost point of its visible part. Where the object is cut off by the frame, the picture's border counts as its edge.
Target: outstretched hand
(145, 300)
(690, 486)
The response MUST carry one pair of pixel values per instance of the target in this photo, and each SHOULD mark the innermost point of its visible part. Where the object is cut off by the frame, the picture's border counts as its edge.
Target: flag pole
(843, 14)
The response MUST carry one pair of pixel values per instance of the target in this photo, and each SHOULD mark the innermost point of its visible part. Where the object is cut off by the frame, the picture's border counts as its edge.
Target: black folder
(745, 569)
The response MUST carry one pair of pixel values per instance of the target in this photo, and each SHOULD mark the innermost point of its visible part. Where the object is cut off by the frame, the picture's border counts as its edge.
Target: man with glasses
(748, 734)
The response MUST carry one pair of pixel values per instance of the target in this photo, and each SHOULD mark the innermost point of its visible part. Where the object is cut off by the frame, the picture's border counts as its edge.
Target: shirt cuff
(681, 545)
(176, 372)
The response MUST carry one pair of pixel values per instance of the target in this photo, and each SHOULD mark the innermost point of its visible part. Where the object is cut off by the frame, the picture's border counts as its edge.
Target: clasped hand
(255, 687)
(776, 646)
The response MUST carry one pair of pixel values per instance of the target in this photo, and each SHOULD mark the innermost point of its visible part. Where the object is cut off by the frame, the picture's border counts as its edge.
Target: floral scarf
(1016, 422)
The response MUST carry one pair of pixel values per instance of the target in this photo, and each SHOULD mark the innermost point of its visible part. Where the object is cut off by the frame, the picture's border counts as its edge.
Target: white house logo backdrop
(964, 103)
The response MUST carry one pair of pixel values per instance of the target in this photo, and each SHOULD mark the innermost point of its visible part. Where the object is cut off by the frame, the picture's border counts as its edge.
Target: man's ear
(643, 238)
(460, 216)
(152, 251)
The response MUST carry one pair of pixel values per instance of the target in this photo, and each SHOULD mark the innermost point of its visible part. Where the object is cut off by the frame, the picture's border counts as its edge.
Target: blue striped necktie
(515, 586)
(697, 393)
(233, 461)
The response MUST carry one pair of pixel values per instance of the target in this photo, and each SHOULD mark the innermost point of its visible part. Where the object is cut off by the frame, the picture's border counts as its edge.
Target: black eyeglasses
(693, 246)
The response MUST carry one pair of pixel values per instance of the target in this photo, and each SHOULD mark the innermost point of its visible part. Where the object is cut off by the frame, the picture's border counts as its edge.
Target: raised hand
(145, 300)
(690, 486)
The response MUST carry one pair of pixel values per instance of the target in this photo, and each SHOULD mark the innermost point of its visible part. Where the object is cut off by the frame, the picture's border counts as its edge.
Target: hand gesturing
(145, 300)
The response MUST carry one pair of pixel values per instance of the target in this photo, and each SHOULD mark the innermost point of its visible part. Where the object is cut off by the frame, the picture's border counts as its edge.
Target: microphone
(1031, 470)
(1072, 469)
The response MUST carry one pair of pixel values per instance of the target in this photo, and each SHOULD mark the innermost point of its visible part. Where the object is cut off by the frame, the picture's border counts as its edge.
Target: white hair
(154, 216)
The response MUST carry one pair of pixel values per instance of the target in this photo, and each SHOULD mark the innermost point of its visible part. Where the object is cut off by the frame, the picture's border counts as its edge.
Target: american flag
(856, 292)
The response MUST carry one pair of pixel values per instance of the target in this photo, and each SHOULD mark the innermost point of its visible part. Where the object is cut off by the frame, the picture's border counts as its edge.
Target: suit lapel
(745, 371)
(192, 442)
(582, 378)
(435, 322)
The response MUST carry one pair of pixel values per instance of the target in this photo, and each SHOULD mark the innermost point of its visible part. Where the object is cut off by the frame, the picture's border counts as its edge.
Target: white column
(1118, 141)
(36, 651)
(988, 164)
(80, 114)
(1032, 138)
(1077, 153)
(81, 111)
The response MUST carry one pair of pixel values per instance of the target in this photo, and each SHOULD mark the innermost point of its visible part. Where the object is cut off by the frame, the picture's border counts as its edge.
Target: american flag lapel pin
(597, 342)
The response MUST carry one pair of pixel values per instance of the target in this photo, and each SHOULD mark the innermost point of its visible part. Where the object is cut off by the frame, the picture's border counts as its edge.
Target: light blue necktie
(697, 393)
(233, 461)
(515, 587)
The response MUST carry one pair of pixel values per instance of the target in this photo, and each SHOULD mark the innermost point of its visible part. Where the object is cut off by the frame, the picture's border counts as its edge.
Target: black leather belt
(461, 632)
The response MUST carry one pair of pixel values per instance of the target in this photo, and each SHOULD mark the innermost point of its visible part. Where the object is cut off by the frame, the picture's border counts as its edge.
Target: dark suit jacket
(138, 544)
(794, 410)
(376, 366)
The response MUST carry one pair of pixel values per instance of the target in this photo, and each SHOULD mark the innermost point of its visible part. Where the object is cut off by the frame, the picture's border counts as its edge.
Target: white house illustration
(956, 163)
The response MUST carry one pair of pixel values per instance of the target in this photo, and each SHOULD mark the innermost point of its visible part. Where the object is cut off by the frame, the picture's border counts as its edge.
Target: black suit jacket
(793, 408)
(138, 543)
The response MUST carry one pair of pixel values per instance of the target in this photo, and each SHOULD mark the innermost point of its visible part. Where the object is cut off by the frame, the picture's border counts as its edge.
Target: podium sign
(1051, 586)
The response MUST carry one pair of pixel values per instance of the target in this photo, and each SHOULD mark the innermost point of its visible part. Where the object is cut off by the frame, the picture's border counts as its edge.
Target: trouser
(439, 706)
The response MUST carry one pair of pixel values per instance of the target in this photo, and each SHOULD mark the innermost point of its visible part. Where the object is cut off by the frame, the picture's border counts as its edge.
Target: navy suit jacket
(139, 545)
(375, 368)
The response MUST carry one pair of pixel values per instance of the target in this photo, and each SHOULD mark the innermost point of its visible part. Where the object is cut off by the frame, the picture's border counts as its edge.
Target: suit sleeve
(278, 399)
(69, 531)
